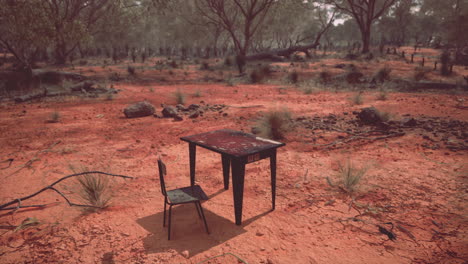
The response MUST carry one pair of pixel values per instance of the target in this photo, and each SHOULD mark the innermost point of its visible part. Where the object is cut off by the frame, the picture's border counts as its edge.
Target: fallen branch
(9, 163)
(51, 187)
(347, 140)
(33, 159)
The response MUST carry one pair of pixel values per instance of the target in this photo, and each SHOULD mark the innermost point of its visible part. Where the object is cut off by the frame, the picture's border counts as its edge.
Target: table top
(231, 142)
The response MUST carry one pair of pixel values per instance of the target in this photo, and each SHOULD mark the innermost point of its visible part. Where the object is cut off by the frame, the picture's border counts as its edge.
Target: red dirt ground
(422, 192)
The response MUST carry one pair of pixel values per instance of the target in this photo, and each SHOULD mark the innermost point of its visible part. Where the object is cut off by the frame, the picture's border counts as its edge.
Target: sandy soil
(423, 192)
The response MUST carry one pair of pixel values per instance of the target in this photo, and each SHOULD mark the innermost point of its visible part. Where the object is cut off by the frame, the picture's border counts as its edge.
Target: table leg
(226, 167)
(273, 178)
(238, 173)
(192, 155)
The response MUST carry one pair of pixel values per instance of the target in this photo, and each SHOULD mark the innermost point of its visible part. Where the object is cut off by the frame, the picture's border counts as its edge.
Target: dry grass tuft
(95, 190)
(54, 117)
(179, 97)
(274, 124)
(350, 176)
(357, 99)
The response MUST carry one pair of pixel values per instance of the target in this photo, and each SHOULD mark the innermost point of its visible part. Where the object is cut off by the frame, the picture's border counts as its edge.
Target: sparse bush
(179, 97)
(228, 61)
(293, 77)
(256, 76)
(205, 66)
(109, 96)
(54, 117)
(115, 77)
(95, 190)
(384, 115)
(325, 77)
(420, 73)
(131, 70)
(382, 75)
(266, 70)
(307, 89)
(357, 99)
(274, 124)
(230, 82)
(382, 96)
(197, 93)
(174, 64)
(151, 89)
(445, 61)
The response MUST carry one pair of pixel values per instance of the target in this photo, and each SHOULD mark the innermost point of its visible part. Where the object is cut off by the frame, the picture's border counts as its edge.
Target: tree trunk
(365, 34)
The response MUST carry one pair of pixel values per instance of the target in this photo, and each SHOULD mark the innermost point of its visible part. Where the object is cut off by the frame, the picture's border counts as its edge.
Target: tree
(364, 12)
(240, 18)
(72, 22)
(24, 30)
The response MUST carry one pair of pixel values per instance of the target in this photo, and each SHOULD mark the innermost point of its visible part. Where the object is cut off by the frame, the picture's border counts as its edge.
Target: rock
(169, 111)
(195, 114)
(178, 117)
(255, 130)
(181, 107)
(193, 107)
(139, 109)
(258, 233)
(369, 116)
(185, 254)
(158, 115)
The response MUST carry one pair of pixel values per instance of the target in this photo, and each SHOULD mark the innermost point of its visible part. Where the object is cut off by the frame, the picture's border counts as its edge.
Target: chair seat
(186, 195)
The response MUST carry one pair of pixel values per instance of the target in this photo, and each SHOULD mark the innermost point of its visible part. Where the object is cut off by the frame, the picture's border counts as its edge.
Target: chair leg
(169, 231)
(203, 215)
(198, 210)
(164, 221)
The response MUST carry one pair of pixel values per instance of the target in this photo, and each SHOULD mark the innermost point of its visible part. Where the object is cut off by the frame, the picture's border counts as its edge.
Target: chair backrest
(162, 173)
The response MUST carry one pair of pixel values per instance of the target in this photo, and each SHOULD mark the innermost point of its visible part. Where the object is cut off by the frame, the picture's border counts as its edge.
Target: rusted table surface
(237, 149)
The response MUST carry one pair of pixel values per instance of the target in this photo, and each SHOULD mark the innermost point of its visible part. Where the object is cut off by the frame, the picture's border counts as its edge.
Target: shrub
(274, 124)
(445, 61)
(131, 70)
(95, 190)
(54, 117)
(179, 97)
(383, 74)
(293, 77)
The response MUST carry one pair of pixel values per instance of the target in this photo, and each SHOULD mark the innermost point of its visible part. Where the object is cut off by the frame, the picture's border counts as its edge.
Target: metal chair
(191, 194)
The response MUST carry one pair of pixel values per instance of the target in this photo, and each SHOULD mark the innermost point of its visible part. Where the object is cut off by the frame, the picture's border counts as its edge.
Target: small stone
(185, 254)
(178, 118)
(258, 233)
(225, 114)
(194, 114)
(139, 109)
(169, 111)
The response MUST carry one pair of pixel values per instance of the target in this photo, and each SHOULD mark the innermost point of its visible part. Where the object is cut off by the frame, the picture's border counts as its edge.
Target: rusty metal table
(237, 149)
